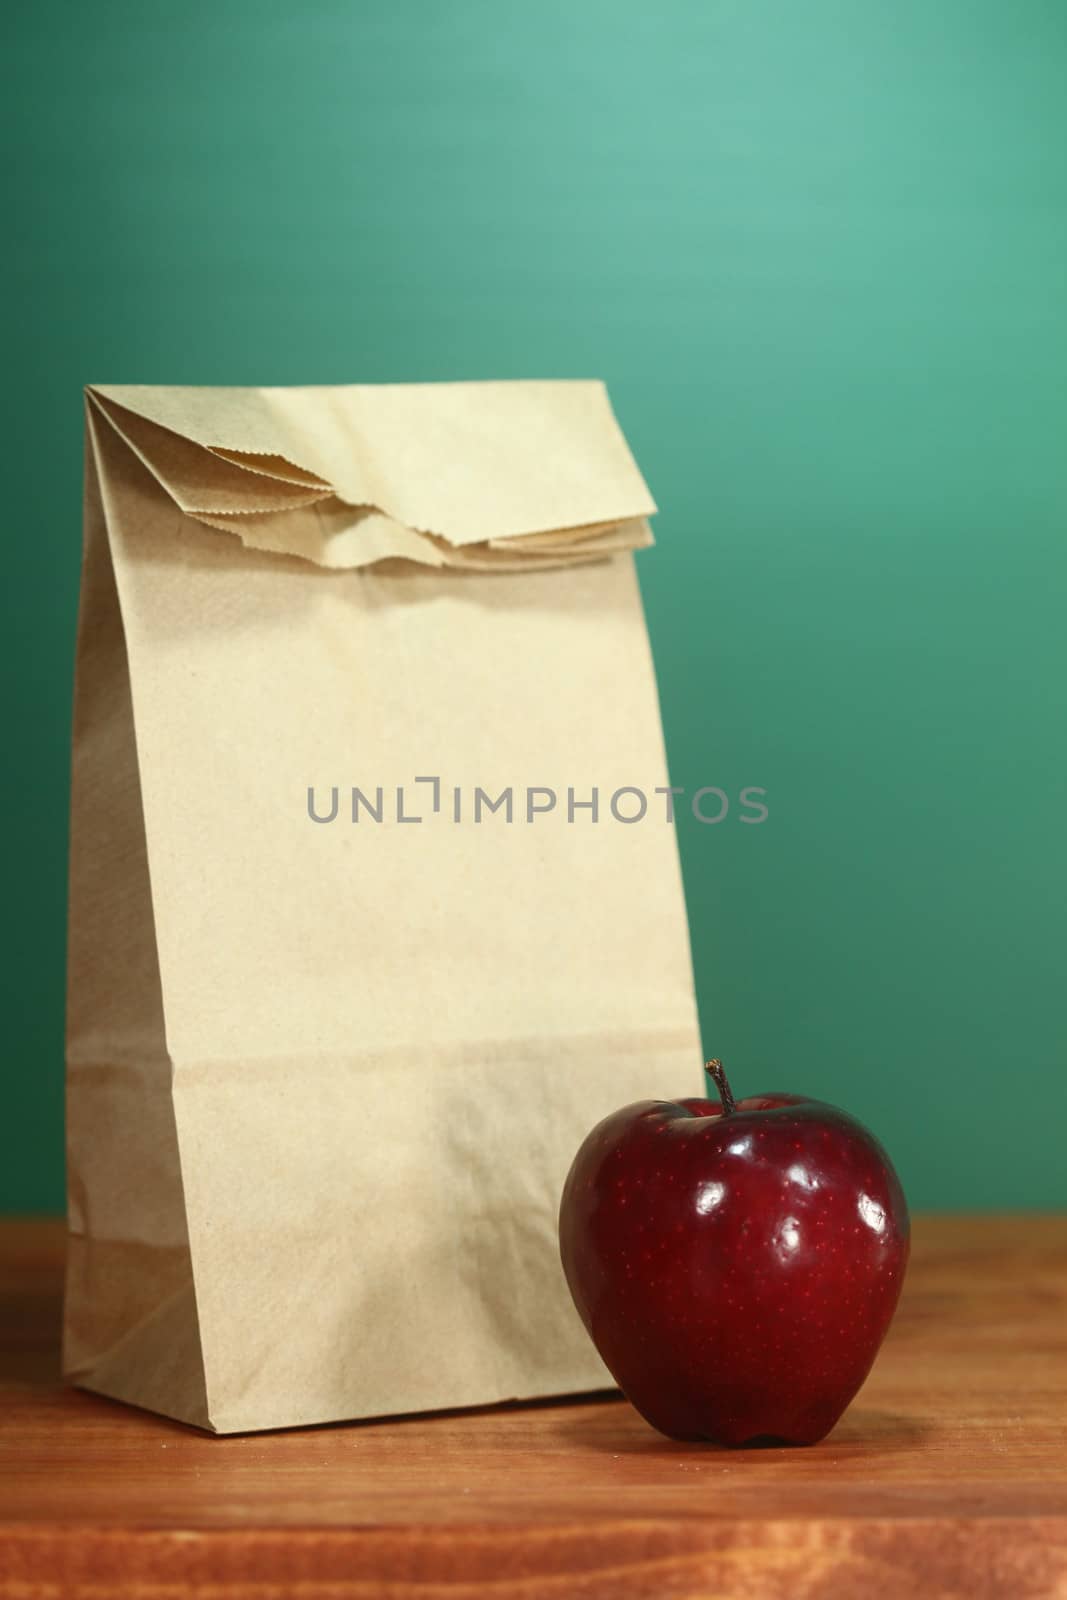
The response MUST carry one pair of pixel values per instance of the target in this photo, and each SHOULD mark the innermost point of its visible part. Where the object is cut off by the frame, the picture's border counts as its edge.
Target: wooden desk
(947, 1477)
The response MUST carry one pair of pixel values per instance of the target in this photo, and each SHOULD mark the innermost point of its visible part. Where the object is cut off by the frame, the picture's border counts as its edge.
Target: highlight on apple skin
(737, 1264)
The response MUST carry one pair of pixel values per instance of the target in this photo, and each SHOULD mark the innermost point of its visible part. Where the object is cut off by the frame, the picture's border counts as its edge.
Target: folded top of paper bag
(481, 476)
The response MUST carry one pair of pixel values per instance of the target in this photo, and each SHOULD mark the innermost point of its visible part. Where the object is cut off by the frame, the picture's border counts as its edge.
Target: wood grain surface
(948, 1475)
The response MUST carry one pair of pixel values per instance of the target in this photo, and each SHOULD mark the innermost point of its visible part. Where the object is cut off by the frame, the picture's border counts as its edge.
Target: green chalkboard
(819, 253)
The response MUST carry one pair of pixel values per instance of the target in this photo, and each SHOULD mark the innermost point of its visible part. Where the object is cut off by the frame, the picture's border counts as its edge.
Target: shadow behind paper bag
(325, 1080)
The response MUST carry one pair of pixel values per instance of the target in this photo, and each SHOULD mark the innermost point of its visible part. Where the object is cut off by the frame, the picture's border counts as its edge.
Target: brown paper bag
(326, 1077)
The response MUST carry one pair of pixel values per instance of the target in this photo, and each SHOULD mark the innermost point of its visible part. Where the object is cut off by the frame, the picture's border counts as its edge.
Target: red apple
(737, 1265)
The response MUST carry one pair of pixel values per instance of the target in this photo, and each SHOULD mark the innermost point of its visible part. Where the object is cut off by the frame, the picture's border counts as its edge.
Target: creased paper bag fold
(455, 474)
(325, 1077)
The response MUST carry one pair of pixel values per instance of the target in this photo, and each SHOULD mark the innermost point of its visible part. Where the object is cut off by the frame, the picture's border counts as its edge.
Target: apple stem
(716, 1072)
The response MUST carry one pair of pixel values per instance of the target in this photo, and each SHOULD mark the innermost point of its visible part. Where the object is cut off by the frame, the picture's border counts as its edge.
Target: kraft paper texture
(325, 1080)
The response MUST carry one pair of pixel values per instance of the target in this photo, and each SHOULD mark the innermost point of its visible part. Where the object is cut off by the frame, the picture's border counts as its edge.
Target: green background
(819, 253)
